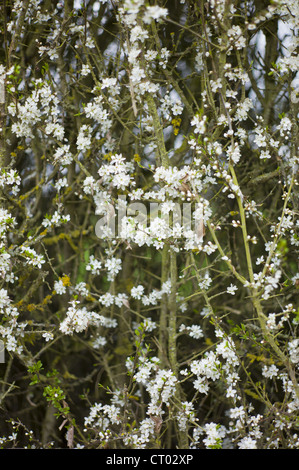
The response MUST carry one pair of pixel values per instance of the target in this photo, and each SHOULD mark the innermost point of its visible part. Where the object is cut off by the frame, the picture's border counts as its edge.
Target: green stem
(238, 276)
(244, 228)
(255, 299)
(171, 311)
(172, 353)
(172, 346)
(164, 308)
(277, 235)
(158, 131)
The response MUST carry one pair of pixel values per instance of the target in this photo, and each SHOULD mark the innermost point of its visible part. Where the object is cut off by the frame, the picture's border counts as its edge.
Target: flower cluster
(79, 318)
(12, 330)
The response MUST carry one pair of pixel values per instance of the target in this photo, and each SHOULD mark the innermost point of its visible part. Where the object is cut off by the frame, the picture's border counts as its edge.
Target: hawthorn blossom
(59, 287)
(62, 155)
(84, 138)
(214, 435)
(236, 37)
(247, 443)
(270, 371)
(137, 292)
(113, 266)
(231, 289)
(31, 256)
(154, 13)
(199, 123)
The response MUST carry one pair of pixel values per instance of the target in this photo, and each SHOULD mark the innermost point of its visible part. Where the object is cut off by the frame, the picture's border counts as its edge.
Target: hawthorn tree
(149, 238)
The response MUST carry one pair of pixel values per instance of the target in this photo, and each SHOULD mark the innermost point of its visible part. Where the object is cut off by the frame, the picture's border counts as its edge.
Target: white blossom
(231, 289)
